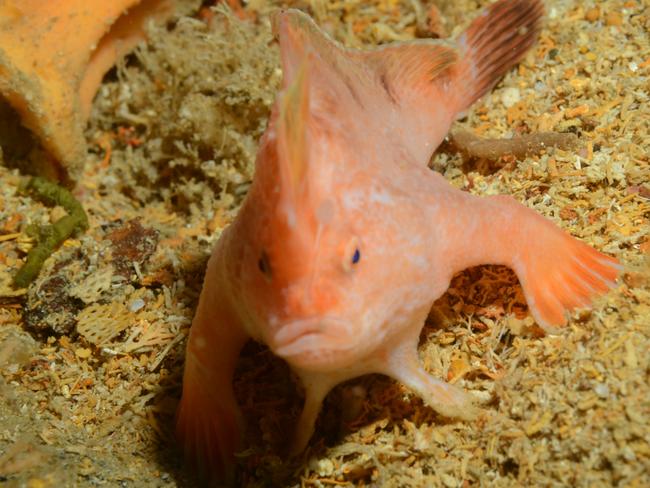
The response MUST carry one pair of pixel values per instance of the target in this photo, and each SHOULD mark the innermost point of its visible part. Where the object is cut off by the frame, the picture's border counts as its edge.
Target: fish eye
(352, 254)
(264, 264)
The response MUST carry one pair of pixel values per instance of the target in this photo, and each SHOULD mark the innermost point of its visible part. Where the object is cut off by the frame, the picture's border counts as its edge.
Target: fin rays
(493, 43)
(411, 65)
(568, 276)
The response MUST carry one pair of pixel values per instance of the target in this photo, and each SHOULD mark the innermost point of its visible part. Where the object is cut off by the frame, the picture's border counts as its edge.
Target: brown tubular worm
(518, 146)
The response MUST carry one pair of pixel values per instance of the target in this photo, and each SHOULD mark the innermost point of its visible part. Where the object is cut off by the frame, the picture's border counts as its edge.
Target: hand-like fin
(557, 272)
(564, 275)
(209, 424)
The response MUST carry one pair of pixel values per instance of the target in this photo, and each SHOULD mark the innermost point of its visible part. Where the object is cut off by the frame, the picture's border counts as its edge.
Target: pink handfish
(346, 237)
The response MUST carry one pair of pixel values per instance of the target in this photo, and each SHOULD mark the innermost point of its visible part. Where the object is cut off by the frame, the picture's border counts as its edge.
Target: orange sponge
(53, 55)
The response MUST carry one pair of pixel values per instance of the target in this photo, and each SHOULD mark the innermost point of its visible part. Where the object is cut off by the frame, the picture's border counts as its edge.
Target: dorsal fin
(293, 119)
(397, 68)
(298, 34)
(401, 89)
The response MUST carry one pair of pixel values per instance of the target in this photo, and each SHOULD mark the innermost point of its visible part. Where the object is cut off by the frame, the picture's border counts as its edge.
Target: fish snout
(308, 301)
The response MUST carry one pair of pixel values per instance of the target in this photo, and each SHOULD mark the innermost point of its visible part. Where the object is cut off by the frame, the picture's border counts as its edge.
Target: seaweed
(49, 237)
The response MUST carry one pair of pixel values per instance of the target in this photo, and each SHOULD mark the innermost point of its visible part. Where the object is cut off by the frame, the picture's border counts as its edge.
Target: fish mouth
(313, 336)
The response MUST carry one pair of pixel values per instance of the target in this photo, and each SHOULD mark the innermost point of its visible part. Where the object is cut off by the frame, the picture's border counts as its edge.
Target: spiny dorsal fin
(398, 69)
(402, 88)
(292, 129)
(298, 35)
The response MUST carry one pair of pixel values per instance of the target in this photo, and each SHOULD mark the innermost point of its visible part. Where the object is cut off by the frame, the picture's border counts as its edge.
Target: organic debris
(176, 132)
(132, 246)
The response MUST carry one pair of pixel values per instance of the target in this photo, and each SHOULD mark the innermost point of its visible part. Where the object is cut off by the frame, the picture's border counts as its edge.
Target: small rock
(602, 390)
(324, 467)
(510, 96)
(136, 305)
(16, 348)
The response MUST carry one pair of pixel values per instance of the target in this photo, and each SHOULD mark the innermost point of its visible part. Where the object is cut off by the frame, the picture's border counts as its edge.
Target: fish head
(321, 272)
(304, 258)
(303, 272)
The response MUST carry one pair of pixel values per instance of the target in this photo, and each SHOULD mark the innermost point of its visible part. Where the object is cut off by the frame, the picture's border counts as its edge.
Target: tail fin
(493, 43)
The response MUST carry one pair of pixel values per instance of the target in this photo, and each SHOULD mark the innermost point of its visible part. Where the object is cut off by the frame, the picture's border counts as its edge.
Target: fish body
(346, 237)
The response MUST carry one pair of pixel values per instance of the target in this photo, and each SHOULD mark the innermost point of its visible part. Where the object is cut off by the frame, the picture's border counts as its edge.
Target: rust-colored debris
(132, 246)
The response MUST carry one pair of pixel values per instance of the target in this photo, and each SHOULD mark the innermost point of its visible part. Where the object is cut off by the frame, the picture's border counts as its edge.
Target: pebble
(510, 96)
(324, 467)
(602, 390)
(136, 305)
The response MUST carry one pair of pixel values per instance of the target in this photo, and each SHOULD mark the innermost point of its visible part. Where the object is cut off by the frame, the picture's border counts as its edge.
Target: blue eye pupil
(356, 256)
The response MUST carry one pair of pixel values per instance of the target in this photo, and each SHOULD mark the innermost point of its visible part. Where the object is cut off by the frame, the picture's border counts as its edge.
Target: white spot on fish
(352, 200)
(291, 217)
(419, 261)
(381, 196)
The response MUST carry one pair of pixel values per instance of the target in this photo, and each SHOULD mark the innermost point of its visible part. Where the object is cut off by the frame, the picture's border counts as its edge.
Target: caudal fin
(559, 273)
(493, 44)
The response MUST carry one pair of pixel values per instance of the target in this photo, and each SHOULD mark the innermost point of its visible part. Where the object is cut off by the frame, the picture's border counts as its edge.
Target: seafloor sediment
(91, 355)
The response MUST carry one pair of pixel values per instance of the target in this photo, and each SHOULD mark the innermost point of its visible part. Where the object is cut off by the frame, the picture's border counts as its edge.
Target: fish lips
(314, 339)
